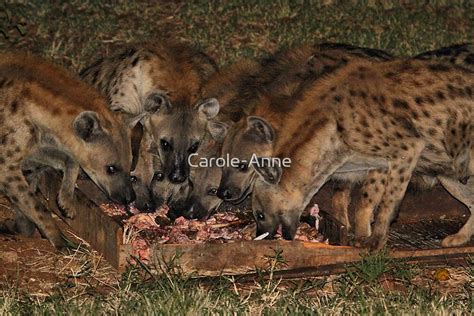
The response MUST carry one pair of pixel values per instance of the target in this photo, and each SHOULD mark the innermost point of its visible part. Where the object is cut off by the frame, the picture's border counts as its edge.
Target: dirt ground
(33, 265)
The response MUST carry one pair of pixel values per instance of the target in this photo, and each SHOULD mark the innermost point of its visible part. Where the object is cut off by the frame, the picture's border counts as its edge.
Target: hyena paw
(362, 232)
(359, 242)
(67, 205)
(63, 244)
(454, 240)
(374, 242)
(8, 227)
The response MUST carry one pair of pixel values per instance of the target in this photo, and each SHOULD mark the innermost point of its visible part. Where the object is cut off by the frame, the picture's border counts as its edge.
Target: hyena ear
(86, 126)
(156, 102)
(208, 108)
(270, 174)
(131, 120)
(218, 130)
(260, 129)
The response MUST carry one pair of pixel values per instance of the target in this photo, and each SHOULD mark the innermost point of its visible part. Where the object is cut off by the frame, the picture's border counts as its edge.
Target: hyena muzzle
(202, 198)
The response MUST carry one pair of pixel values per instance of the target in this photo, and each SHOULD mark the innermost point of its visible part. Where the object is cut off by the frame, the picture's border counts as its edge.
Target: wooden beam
(104, 234)
(91, 223)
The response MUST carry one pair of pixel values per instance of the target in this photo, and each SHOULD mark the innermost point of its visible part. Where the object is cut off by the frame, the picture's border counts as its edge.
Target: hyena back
(48, 119)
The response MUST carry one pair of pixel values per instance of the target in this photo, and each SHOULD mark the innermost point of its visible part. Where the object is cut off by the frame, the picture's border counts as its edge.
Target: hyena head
(274, 205)
(143, 169)
(104, 153)
(165, 192)
(162, 191)
(202, 198)
(251, 137)
(178, 132)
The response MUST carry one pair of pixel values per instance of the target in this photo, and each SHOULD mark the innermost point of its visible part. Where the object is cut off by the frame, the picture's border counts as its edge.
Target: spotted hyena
(49, 119)
(411, 115)
(282, 79)
(161, 84)
(201, 200)
(459, 54)
(227, 86)
(145, 164)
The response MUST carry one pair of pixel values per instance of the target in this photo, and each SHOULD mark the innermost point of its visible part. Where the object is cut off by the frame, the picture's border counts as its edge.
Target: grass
(360, 291)
(74, 33)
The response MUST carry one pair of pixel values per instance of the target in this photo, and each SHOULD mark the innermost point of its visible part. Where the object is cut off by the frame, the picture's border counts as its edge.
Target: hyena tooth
(262, 236)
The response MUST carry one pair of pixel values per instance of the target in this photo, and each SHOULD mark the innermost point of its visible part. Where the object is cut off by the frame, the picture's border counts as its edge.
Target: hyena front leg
(59, 160)
(33, 173)
(24, 200)
(20, 225)
(398, 177)
(372, 191)
(23, 225)
(465, 194)
(341, 199)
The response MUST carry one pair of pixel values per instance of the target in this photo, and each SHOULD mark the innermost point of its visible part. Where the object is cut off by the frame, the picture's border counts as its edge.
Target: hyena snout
(176, 210)
(143, 197)
(288, 231)
(195, 210)
(179, 173)
(188, 208)
(270, 224)
(228, 193)
(122, 191)
(177, 176)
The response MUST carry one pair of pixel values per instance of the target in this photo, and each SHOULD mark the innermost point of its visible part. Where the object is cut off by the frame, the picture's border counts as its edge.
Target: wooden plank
(436, 261)
(234, 258)
(91, 223)
(245, 257)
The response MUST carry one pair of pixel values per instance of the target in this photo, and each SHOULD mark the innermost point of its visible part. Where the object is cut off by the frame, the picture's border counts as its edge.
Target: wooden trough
(424, 220)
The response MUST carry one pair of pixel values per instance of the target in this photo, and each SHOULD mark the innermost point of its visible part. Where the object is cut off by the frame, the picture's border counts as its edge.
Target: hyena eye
(194, 148)
(260, 215)
(158, 176)
(243, 166)
(112, 169)
(165, 145)
(133, 179)
(212, 191)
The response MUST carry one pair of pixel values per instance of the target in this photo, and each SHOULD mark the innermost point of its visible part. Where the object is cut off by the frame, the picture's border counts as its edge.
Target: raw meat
(141, 230)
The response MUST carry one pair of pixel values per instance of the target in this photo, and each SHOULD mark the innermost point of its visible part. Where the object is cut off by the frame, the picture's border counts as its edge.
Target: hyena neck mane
(128, 77)
(235, 87)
